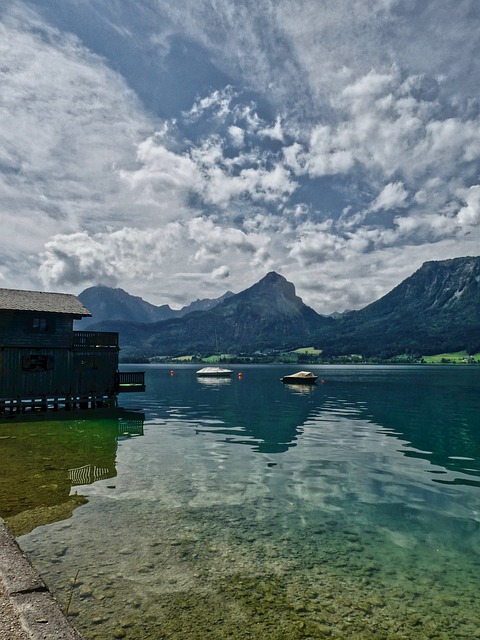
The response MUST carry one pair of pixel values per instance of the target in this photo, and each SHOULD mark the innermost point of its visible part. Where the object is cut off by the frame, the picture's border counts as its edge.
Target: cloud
(363, 278)
(392, 196)
(329, 140)
(237, 134)
(213, 240)
(162, 181)
(66, 121)
(274, 132)
(258, 183)
(217, 102)
(384, 129)
(469, 215)
(330, 152)
(221, 273)
(314, 245)
(210, 170)
(135, 258)
(108, 257)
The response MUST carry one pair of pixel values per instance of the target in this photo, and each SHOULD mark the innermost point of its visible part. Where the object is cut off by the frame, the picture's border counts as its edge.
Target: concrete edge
(39, 612)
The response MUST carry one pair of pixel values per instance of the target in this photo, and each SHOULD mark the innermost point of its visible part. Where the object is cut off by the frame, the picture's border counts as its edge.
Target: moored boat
(302, 377)
(214, 372)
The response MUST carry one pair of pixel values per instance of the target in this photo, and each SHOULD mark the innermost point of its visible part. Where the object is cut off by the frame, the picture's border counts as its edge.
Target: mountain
(107, 303)
(435, 310)
(203, 304)
(267, 315)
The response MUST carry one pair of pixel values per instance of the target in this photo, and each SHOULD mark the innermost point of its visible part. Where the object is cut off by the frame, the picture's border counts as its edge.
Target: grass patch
(309, 351)
(221, 357)
(458, 357)
(183, 359)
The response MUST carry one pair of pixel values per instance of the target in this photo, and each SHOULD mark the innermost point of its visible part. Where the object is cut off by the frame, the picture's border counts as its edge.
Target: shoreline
(29, 611)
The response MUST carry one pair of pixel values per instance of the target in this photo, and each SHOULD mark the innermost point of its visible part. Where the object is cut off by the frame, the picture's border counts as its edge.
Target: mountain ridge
(436, 309)
(109, 303)
(266, 315)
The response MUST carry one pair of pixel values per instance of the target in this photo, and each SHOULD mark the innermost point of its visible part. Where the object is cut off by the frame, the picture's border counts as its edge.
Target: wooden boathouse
(45, 364)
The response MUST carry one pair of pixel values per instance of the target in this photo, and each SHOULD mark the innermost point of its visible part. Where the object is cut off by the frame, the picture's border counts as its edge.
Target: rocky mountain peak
(274, 286)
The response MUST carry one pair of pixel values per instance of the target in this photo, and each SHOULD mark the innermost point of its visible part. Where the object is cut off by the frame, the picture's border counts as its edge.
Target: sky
(182, 148)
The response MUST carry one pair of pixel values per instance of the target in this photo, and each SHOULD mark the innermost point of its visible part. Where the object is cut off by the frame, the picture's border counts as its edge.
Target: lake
(246, 508)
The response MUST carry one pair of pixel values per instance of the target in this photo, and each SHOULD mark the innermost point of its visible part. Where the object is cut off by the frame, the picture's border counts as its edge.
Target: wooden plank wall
(71, 373)
(16, 329)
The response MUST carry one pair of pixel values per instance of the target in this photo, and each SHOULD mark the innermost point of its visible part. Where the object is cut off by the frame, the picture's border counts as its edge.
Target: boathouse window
(40, 325)
(37, 362)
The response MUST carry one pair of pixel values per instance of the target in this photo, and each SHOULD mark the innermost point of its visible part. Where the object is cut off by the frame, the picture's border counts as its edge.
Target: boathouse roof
(41, 301)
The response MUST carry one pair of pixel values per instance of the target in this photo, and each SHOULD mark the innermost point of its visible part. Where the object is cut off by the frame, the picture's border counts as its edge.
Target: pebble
(10, 626)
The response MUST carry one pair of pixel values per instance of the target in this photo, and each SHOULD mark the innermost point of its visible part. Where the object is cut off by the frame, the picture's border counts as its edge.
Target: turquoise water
(252, 509)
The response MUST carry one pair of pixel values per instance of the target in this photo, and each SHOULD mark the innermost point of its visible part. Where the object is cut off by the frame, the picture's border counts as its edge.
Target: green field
(310, 351)
(459, 357)
(313, 355)
(221, 357)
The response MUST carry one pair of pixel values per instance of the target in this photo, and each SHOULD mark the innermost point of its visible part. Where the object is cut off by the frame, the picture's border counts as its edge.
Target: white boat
(302, 377)
(214, 372)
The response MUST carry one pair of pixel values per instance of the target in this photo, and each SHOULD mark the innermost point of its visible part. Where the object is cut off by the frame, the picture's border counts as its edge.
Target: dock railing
(95, 339)
(130, 381)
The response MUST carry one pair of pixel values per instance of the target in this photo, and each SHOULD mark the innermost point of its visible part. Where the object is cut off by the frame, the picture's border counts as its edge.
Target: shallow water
(250, 509)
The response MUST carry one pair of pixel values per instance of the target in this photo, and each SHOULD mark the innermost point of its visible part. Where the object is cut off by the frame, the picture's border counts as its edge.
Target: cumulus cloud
(163, 180)
(210, 171)
(217, 102)
(237, 134)
(128, 253)
(274, 132)
(322, 148)
(221, 273)
(392, 196)
(384, 128)
(213, 240)
(330, 152)
(136, 258)
(469, 215)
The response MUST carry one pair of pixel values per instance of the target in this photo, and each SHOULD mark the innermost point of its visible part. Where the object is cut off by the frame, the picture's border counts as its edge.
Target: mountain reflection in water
(257, 410)
(435, 414)
(253, 510)
(434, 410)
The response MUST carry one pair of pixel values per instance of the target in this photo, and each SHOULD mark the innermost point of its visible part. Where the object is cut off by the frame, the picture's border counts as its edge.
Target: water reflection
(325, 522)
(213, 381)
(255, 410)
(301, 389)
(432, 411)
(267, 416)
(42, 459)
